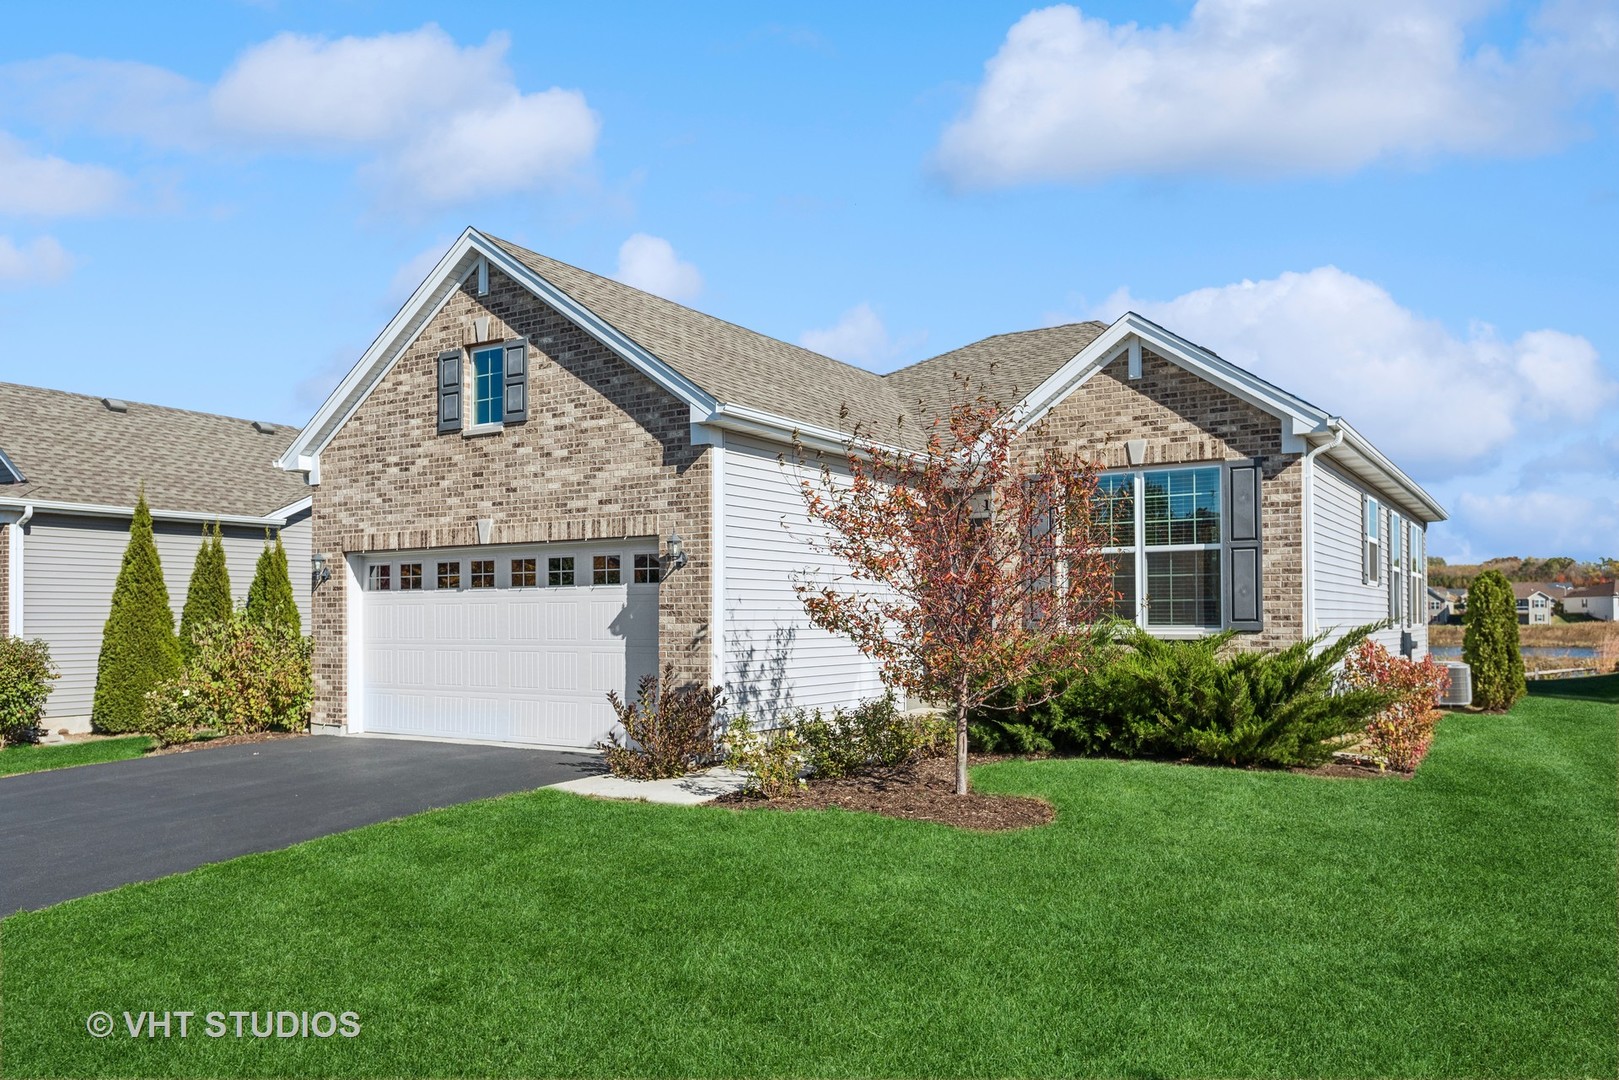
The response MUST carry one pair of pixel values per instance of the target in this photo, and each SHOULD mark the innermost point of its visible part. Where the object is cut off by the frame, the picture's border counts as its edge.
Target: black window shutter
(1244, 550)
(516, 382)
(449, 391)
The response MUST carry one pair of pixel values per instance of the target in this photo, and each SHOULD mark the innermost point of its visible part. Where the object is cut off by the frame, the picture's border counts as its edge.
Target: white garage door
(517, 644)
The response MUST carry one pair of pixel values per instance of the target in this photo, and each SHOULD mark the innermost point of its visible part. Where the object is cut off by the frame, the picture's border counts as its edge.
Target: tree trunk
(961, 748)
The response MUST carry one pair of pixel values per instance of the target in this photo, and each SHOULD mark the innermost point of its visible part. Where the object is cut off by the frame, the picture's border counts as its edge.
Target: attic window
(9, 473)
(115, 405)
(262, 428)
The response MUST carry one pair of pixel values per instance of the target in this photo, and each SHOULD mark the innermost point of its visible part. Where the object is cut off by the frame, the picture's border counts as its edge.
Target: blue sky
(1406, 212)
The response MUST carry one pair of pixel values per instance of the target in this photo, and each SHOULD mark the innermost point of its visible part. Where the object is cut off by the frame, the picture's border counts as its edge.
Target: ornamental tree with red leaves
(971, 564)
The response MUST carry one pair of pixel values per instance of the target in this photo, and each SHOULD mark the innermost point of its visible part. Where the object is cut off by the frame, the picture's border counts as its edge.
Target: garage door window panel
(410, 576)
(606, 570)
(449, 575)
(380, 578)
(524, 575)
(559, 571)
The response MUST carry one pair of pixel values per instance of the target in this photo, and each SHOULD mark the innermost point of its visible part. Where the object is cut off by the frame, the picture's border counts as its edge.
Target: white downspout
(14, 573)
(1334, 425)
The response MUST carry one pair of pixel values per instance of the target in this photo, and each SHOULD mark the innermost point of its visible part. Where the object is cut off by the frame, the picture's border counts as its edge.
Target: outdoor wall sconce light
(322, 571)
(677, 552)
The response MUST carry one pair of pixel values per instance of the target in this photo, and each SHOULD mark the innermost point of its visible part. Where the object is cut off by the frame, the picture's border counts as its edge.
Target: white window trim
(1140, 550)
(1371, 539)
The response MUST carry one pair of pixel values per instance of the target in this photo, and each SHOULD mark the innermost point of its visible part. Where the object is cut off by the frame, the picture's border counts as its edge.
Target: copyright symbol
(98, 1024)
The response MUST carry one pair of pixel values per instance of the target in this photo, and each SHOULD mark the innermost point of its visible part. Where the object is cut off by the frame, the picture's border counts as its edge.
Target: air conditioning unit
(1460, 691)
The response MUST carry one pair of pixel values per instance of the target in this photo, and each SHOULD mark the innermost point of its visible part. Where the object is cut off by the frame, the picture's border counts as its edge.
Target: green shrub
(139, 651)
(668, 731)
(26, 674)
(245, 677)
(1490, 645)
(873, 734)
(1196, 699)
(208, 596)
(270, 598)
(771, 760)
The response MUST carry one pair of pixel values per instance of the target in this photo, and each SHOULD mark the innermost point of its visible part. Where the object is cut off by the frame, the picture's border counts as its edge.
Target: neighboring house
(539, 484)
(1534, 604)
(70, 470)
(1446, 605)
(1599, 601)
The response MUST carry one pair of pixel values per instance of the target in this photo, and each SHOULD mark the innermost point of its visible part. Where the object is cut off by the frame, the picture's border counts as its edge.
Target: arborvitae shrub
(208, 598)
(138, 648)
(1490, 645)
(270, 599)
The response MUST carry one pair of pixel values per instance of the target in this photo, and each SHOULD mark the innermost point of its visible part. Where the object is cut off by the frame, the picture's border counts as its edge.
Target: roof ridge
(993, 337)
(143, 404)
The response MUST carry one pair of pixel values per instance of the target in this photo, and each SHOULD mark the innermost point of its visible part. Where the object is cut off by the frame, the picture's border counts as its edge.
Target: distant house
(71, 467)
(1446, 605)
(1534, 604)
(1599, 601)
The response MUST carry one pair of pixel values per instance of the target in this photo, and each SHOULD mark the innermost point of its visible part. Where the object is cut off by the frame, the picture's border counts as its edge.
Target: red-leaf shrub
(1401, 733)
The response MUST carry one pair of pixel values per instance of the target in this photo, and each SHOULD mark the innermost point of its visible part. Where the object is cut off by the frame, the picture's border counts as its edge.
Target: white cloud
(357, 90)
(38, 263)
(48, 186)
(1260, 87)
(437, 122)
(1437, 403)
(1540, 522)
(524, 142)
(650, 263)
(859, 337)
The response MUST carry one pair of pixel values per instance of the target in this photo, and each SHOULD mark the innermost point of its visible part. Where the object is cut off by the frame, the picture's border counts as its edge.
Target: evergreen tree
(270, 599)
(138, 648)
(208, 597)
(1490, 645)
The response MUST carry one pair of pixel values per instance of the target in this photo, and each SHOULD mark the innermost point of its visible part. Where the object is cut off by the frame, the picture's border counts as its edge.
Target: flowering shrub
(26, 674)
(1400, 734)
(245, 677)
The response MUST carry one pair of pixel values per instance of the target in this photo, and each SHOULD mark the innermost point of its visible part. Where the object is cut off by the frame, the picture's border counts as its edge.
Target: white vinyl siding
(70, 564)
(773, 658)
(1343, 599)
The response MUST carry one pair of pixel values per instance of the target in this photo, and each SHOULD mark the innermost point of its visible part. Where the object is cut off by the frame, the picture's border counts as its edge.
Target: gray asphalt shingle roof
(739, 366)
(72, 448)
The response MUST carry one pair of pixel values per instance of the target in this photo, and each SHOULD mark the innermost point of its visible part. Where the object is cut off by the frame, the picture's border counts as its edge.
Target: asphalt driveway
(72, 832)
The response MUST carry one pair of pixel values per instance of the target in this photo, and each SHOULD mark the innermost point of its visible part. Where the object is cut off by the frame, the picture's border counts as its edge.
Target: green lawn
(24, 759)
(1173, 921)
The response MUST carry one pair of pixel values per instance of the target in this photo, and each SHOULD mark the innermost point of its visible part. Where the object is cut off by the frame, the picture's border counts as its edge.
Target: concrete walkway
(692, 790)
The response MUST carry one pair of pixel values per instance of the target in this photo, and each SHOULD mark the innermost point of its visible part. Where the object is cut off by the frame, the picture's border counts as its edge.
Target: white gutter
(275, 520)
(14, 591)
(1334, 425)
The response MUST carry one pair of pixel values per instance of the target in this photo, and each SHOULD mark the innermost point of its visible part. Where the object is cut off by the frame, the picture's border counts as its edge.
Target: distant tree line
(1523, 568)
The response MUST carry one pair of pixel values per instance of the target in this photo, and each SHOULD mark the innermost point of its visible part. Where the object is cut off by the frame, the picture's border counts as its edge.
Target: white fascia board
(749, 421)
(469, 251)
(1116, 339)
(1356, 450)
(46, 506)
(293, 508)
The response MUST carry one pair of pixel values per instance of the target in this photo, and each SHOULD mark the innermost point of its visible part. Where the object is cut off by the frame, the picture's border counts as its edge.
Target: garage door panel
(529, 664)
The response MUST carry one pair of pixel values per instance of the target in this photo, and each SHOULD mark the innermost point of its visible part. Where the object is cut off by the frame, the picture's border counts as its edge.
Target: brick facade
(605, 454)
(1184, 420)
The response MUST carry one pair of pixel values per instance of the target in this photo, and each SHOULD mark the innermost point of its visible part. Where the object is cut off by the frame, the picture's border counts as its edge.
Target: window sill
(479, 430)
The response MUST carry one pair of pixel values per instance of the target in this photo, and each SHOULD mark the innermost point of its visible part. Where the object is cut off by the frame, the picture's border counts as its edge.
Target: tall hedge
(270, 599)
(208, 596)
(138, 648)
(1490, 645)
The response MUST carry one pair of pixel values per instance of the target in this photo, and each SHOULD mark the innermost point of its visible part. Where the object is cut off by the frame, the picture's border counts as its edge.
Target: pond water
(1569, 652)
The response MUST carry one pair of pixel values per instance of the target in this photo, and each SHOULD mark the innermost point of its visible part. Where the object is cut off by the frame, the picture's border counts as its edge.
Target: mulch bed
(921, 792)
(229, 740)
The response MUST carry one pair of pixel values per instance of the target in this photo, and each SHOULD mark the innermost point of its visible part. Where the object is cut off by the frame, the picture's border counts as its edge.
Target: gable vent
(115, 405)
(262, 428)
